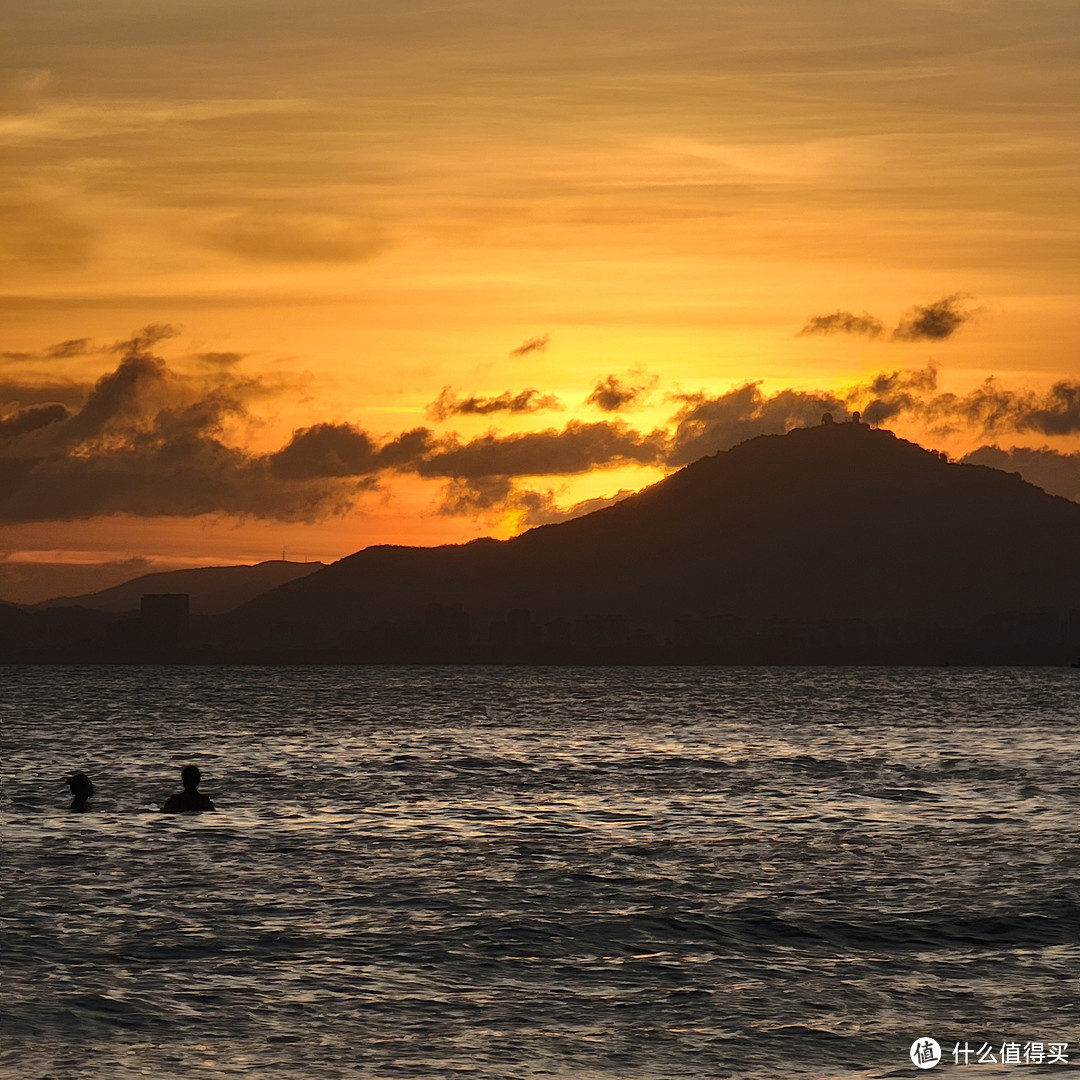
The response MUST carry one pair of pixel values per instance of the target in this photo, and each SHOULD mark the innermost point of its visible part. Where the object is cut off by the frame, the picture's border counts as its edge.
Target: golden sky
(427, 271)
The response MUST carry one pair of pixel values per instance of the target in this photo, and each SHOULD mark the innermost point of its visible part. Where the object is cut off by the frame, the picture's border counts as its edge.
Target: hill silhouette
(213, 589)
(835, 543)
(831, 544)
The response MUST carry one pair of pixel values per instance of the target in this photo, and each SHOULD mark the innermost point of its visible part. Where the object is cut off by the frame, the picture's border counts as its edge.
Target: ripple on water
(601, 873)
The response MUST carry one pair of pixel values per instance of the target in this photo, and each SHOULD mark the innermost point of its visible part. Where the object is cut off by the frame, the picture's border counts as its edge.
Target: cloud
(45, 392)
(1057, 473)
(142, 341)
(147, 442)
(577, 448)
(497, 497)
(988, 409)
(893, 393)
(706, 425)
(544, 511)
(475, 497)
(118, 400)
(338, 450)
(992, 409)
(933, 322)
(20, 421)
(219, 359)
(613, 395)
(64, 350)
(326, 450)
(843, 322)
(536, 344)
(448, 404)
(281, 237)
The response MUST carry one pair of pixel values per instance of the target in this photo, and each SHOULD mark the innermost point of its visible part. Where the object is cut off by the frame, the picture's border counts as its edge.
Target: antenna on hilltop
(282, 554)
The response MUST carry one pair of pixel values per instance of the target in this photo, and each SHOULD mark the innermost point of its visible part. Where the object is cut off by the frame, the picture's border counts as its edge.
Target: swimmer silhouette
(189, 798)
(82, 789)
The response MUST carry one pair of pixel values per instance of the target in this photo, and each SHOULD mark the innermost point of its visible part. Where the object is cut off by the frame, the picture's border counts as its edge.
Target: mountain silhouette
(212, 589)
(835, 543)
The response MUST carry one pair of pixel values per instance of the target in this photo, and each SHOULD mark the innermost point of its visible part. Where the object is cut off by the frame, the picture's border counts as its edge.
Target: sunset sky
(316, 276)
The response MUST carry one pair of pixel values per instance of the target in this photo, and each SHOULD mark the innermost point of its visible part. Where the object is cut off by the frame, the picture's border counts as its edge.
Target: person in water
(81, 789)
(190, 798)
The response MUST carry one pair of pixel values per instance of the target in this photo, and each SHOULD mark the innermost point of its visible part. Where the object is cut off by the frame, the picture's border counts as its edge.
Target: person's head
(81, 787)
(191, 777)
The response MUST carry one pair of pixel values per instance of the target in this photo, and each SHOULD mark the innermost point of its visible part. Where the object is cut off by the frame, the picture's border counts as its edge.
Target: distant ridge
(837, 544)
(213, 589)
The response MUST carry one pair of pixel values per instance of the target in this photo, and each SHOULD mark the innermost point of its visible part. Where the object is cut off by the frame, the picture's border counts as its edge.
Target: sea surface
(597, 874)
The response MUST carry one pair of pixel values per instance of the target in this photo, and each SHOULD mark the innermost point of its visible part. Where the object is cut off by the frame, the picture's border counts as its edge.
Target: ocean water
(598, 874)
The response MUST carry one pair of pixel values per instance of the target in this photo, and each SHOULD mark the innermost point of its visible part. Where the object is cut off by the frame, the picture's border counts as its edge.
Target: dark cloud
(145, 440)
(62, 350)
(187, 477)
(65, 349)
(448, 404)
(494, 497)
(142, 341)
(329, 450)
(706, 425)
(477, 496)
(843, 322)
(890, 394)
(1057, 473)
(326, 450)
(613, 395)
(934, 322)
(993, 409)
(536, 344)
(543, 511)
(20, 421)
(577, 448)
(149, 441)
(989, 409)
(118, 399)
(45, 392)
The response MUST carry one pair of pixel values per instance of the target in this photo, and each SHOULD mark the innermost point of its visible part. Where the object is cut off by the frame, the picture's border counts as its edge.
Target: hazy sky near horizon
(425, 271)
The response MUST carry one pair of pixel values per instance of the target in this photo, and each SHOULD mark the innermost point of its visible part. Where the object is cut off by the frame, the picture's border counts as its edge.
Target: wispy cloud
(844, 322)
(936, 321)
(449, 403)
(90, 118)
(535, 344)
(295, 237)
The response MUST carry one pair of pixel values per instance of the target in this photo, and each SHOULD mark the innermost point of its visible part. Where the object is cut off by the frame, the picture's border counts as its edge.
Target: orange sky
(344, 208)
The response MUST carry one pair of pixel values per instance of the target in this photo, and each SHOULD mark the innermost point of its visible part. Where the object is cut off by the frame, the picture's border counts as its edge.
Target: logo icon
(925, 1053)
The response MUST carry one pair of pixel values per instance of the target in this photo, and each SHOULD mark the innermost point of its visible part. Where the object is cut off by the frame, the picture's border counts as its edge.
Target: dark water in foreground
(567, 873)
